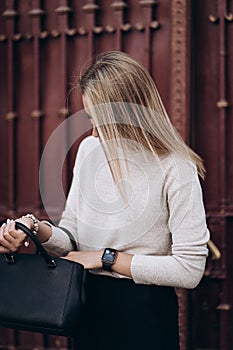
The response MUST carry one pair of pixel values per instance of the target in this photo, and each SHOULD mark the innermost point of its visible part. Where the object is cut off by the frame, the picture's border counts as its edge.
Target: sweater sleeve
(59, 242)
(185, 266)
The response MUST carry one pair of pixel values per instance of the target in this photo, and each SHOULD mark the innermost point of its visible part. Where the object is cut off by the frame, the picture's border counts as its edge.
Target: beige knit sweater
(163, 223)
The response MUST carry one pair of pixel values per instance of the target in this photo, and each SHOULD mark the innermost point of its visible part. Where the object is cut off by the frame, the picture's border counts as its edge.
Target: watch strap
(107, 266)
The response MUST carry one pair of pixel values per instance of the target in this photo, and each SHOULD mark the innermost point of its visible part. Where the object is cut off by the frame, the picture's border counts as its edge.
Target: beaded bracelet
(35, 222)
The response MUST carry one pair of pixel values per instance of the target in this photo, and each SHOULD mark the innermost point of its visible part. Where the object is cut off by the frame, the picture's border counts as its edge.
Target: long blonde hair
(125, 104)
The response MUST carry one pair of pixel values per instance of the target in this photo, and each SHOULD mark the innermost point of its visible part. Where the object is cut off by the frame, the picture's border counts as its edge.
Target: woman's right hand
(10, 238)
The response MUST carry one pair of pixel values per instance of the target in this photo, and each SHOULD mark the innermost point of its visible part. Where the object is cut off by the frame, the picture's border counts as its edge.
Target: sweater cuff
(59, 243)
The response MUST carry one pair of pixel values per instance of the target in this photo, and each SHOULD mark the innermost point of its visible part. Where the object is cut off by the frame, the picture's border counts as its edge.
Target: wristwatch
(109, 258)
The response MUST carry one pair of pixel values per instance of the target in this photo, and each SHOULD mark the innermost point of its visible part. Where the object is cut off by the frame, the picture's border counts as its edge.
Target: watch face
(109, 255)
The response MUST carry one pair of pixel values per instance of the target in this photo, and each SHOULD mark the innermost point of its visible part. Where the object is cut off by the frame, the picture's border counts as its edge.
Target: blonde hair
(125, 104)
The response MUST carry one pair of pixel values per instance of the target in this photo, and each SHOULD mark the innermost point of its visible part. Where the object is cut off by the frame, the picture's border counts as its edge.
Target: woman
(135, 209)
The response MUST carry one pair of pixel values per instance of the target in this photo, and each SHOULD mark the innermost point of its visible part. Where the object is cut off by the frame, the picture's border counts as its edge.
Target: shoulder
(178, 170)
(88, 143)
(88, 148)
(177, 165)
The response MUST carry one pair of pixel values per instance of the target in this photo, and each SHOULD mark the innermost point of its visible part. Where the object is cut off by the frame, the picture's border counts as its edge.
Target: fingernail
(7, 221)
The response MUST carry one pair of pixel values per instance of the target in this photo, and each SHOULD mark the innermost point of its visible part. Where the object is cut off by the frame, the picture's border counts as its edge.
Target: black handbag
(41, 293)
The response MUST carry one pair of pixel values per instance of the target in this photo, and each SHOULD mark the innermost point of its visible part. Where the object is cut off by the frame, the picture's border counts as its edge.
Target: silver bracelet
(35, 222)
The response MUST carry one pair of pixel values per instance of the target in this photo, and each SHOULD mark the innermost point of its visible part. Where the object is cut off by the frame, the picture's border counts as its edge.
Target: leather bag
(41, 293)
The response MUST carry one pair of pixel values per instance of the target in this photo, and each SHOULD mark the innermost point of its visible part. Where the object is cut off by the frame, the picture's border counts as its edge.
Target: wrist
(99, 255)
(26, 221)
(123, 264)
(35, 222)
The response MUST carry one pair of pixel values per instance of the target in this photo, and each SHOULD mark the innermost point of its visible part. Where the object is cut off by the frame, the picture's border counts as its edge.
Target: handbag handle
(48, 258)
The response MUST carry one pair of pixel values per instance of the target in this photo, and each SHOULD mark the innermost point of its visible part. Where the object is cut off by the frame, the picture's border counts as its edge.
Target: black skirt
(122, 315)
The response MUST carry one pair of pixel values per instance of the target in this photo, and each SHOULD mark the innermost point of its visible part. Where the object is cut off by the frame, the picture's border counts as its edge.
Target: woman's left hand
(11, 239)
(89, 259)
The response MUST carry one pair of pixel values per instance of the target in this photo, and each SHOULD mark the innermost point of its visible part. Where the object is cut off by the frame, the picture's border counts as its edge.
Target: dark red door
(188, 47)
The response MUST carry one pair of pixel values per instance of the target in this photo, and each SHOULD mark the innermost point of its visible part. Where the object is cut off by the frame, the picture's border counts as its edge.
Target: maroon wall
(188, 48)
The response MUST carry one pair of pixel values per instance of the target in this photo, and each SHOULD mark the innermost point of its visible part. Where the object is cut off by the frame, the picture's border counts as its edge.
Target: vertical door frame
(181, 111)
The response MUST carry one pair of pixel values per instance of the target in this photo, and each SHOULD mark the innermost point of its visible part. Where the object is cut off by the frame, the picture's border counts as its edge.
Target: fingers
(4, 250)
(10, 238)
(2, 229)
(17, 234)
(8, 242)
(5, 228)
(4, 235)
